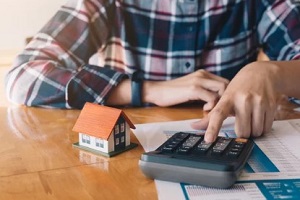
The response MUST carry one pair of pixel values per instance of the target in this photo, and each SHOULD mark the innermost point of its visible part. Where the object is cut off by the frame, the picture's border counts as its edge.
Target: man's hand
(200, 85)
(251, 96)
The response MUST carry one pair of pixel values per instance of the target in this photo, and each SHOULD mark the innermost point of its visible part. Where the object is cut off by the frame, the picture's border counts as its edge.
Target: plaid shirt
(164, 39)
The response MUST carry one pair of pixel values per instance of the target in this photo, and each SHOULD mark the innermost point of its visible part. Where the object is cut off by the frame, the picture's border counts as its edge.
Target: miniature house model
(103, 130)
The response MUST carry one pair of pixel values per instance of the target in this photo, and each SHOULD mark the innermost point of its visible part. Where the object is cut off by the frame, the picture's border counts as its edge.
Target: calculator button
(203, 147)
(168, 148)
(201, 150)
(216, 152)
(238, 145)
(174, 142)
(235, 149)
(181, 135)
(183, 150)
(220, 146)
(204, 144)
(189, 144)
(233, 154)
(192, 140)
(241, 140)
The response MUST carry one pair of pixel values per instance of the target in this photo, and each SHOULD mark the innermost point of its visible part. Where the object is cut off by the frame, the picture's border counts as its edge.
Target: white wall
(23, 18)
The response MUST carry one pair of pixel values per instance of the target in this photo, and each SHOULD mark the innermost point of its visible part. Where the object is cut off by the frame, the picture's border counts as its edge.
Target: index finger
(218, 114)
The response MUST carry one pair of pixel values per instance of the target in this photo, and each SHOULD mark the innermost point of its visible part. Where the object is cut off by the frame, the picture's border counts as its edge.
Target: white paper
(274, 165)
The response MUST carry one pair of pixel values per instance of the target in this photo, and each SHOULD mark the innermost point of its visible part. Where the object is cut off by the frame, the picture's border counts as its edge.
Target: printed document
(272, 172)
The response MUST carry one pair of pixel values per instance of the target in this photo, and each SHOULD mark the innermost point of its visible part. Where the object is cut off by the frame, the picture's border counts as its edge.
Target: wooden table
(37, 160)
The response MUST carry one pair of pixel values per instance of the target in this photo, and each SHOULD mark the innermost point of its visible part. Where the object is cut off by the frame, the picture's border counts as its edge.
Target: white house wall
(106, 147)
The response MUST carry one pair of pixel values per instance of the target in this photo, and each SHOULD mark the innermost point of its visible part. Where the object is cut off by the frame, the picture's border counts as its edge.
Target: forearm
(161, 93)
(199, 85)
(45, 83)
(121, 94)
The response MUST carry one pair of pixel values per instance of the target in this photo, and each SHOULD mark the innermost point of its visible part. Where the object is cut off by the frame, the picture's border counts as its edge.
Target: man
(173, 51)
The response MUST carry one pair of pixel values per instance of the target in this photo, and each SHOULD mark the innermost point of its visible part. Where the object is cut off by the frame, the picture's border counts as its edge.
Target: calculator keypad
(188, 143)
(187, 158)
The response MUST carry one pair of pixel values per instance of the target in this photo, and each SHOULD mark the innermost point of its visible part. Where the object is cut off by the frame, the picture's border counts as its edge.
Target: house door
(120, 134)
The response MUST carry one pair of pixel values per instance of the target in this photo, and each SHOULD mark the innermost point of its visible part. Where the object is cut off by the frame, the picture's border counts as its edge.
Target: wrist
(120, 95)
(267, 70)
(286, 76)
(155, 92)
(150, 91)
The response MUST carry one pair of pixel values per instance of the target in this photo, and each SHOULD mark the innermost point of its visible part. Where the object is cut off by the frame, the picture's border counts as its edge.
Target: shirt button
(190, 28)
(187, 64)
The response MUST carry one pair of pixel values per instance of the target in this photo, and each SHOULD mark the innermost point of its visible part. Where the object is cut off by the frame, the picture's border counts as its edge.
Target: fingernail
(207, 107)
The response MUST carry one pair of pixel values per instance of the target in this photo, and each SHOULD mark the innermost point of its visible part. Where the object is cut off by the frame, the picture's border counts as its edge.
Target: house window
(86, 139)
(122, 127)
(122, 139)
(99, 143)
(117, 129)
(117, 141)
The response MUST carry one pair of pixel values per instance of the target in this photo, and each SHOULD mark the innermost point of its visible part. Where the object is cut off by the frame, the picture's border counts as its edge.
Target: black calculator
(187, 158)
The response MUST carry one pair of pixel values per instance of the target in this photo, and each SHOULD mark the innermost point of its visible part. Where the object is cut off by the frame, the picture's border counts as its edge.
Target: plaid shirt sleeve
(278, 29)
(52, 71)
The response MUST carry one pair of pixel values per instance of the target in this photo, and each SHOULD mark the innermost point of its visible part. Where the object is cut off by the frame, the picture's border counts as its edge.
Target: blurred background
(19, 20)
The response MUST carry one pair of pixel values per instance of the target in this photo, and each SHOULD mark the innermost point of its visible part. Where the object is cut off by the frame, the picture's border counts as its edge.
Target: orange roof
(98, 121)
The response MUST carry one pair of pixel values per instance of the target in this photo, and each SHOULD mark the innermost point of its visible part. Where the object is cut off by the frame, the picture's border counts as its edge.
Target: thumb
(200, 124)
